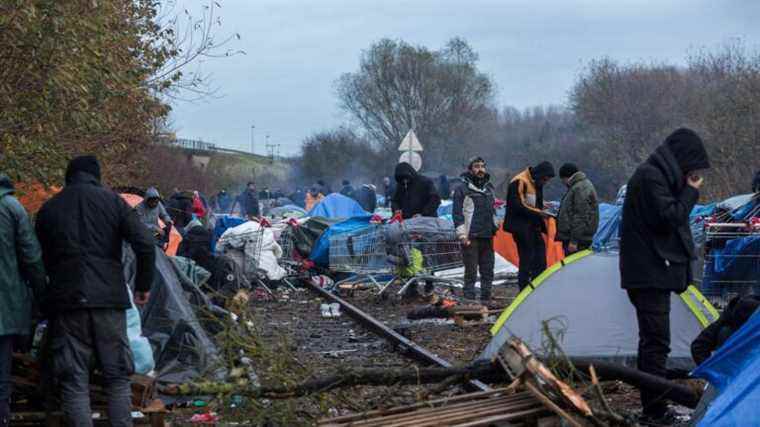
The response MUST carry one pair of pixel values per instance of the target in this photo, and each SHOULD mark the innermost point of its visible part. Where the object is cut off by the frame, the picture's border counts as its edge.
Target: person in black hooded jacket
(656, 246)
(415, 194)
(525, 219)
(81, 230)
(756, 183)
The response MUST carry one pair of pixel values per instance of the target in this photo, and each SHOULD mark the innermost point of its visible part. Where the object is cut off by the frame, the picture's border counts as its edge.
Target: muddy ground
(326, 345)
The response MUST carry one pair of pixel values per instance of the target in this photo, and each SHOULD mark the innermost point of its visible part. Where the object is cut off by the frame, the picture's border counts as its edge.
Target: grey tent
(582, 296)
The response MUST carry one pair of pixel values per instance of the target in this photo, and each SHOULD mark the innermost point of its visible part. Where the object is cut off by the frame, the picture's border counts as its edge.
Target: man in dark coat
(525, 219)
(415, 194)
(180, 208)
(739, 310)
(366, 197)
(656, 247)
(474, 219)
(21, 271)
(578, 216)
(248, 202)
(347, 189)
(756, 183)
(81, 231)
(444, 188)
(222, 202)
(389, 187)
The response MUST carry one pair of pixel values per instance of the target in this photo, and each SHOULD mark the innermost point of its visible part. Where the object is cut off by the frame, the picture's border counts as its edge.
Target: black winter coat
(180, 208)
(81, 231)
(415, 194)
(656, 245)
(367, 198)
(473, 210)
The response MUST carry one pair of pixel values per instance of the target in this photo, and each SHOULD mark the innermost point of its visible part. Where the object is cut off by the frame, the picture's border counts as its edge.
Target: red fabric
(198, 208)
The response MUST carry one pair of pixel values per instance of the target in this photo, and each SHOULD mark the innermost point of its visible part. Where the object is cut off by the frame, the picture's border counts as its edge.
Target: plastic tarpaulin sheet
(734, 369)
(320, 254)
(252, 247)
(288, 211)
(337, 206)
(606, 237)
(182, 349)
(223, 222)
(141, 351)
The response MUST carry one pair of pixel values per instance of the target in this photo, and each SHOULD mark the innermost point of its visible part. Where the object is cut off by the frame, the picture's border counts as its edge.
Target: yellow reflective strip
(535, 283)
(704, 301)
(510, 309)
(694, 309)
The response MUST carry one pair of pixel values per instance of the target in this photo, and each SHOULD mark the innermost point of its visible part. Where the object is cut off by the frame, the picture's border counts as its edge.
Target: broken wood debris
(475, 409)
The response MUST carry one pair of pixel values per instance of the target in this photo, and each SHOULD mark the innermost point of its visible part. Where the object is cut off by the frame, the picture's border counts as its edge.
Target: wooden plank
(391, 411)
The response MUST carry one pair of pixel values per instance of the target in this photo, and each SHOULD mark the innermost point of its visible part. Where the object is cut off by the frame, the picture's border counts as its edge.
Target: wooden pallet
(468, 410)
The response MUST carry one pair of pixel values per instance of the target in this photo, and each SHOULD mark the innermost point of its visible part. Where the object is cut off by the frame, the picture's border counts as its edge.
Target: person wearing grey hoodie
(150, 210)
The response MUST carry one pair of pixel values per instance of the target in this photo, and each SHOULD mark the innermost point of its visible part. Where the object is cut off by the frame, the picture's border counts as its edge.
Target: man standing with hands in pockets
(475, 222)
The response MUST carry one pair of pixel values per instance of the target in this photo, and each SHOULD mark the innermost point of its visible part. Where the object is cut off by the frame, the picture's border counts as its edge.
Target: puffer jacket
(81, 230)
(656, 244)
(473, 211)
(22, 275)
(415, 194)
(578, 216)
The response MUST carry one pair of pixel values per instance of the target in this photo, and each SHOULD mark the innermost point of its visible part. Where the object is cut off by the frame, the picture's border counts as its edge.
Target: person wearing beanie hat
(81, 230)
(657, 248)
(578, 216)
(525, 219)
(347, 189)
(475, 224)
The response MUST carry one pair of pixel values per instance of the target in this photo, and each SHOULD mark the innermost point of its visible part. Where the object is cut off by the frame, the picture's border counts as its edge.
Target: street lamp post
(253, 147)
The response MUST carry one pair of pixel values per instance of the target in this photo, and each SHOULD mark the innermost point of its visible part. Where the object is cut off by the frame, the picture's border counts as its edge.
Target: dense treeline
(85, 76)
(615, 115)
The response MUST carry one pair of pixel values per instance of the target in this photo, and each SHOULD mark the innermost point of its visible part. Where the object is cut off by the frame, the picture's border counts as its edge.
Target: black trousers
(532, 252)
(478, 256)
(653, 314)
(6, 360)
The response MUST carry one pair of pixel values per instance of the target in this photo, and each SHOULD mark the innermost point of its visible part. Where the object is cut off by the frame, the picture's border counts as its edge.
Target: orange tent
(505, 245)
(174, 236)
(311, 201)
(33, 195)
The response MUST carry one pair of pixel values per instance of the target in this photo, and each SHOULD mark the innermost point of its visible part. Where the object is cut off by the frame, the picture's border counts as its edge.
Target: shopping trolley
(424, 252)
(364, 254)
(245, 250)
(732, 255)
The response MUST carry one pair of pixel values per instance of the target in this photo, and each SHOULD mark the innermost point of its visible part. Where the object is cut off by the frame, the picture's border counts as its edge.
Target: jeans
(478, 256)
(653, 315)
(80, 337)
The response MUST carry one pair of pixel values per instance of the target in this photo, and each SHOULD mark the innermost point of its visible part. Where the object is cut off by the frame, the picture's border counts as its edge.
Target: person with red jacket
(198, 209)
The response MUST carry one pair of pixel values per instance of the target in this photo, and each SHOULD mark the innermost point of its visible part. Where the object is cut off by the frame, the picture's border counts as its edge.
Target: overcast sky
(533, 50)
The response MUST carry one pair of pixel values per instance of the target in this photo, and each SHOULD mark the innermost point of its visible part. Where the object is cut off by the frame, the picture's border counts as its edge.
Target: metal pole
(253, 146)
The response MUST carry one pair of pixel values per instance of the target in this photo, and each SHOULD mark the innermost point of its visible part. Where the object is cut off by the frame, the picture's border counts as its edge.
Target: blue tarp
(337, 206)
(320, 254)
(734, 369)
(223, 222)
(606, 237)
(610, 217)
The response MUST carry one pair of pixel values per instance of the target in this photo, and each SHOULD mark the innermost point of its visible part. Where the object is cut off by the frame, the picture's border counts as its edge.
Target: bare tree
(440, 94)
